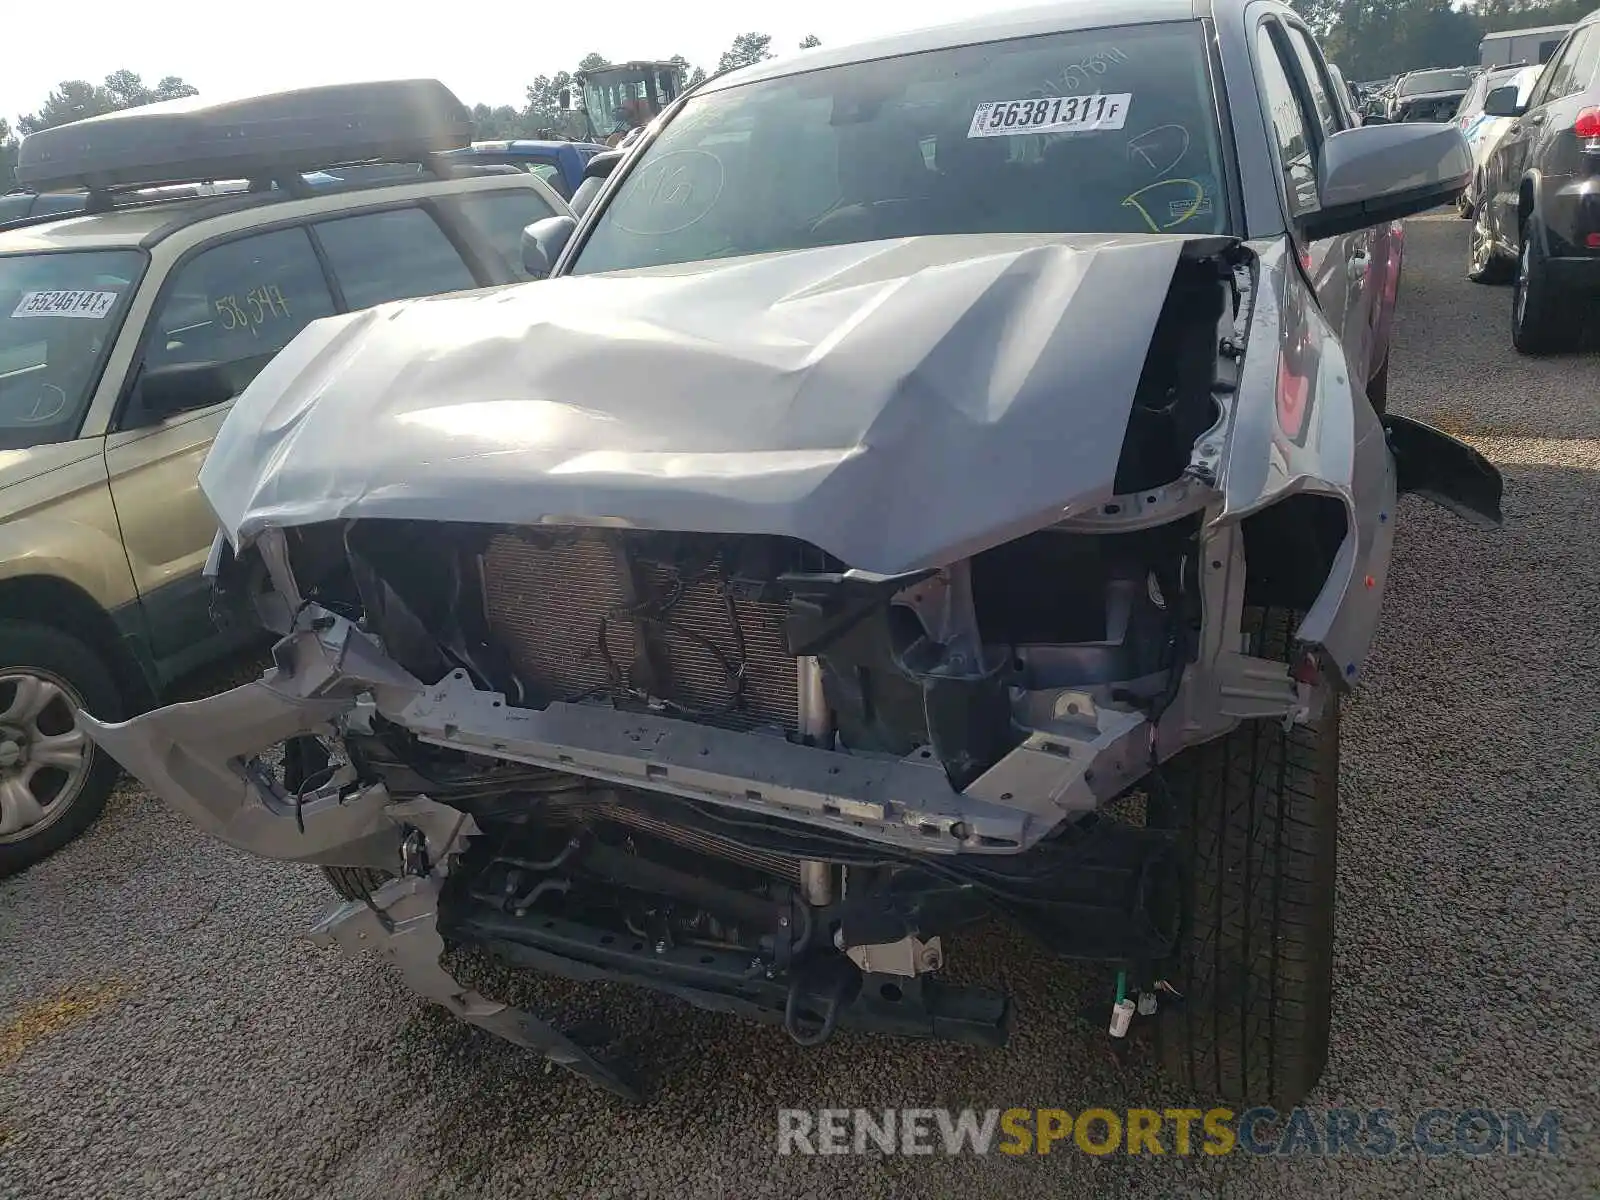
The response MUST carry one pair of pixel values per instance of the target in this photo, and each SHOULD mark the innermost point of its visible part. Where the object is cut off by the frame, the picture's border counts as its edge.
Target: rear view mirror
(1502, 102)
(1382, 172)
(543, 242)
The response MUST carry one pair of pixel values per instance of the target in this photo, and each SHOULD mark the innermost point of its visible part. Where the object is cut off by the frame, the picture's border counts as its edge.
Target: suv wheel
(1259, 809)
(1542, 321)
(1485, 262)
(54, 781)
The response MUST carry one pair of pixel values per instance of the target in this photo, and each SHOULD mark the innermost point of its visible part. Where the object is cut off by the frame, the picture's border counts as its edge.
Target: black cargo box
(283, 133)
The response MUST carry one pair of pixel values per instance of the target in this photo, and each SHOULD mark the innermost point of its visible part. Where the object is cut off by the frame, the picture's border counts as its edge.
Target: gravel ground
(164, 1033)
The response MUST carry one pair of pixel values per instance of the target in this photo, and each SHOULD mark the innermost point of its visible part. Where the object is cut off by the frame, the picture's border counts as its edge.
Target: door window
(1311, 69)
(1557, 71)
(551, 175)
(1288, 126)
(239, 303)
(391, 255)
(499, 219)
(1583, 55)
(1472, 103)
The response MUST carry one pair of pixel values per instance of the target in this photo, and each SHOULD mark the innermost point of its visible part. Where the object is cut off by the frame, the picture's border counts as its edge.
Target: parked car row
(1483, 132)
(902, 453)
(1430, 95)
(1536, 195)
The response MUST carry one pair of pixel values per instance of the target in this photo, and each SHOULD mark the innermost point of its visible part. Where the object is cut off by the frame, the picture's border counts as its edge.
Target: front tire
(1259, 809)
(54, 781)
(356, 883)
(1542, 319)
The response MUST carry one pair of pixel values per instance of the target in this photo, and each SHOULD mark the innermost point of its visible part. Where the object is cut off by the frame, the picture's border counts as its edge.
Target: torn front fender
(202, 759)
(1303, 426)
(1431, 463)
(205, 757)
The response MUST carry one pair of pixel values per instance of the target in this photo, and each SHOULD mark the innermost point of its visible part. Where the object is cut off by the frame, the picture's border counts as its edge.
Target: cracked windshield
(1104, 131)
(58, 315)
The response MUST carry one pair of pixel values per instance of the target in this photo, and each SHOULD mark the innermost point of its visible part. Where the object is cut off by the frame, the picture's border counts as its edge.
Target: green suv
(126, 331)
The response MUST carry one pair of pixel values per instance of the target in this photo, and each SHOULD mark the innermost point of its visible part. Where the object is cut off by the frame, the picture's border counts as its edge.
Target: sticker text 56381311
(93, 305)
(1054, 114)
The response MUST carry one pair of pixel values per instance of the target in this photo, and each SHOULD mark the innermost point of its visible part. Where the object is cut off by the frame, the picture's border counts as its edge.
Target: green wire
(1122, 986)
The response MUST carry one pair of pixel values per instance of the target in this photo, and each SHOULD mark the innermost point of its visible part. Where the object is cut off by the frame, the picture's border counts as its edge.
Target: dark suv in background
(1432, 95)
(1538, 224)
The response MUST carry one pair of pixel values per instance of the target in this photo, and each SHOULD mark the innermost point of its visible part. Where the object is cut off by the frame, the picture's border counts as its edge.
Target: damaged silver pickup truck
(942, 480)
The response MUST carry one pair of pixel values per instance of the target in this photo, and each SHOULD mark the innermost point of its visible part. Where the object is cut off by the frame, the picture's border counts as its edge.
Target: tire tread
(1261, 807)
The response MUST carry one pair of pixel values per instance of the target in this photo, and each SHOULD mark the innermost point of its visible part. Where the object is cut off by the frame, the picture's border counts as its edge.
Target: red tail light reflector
(1588, 123)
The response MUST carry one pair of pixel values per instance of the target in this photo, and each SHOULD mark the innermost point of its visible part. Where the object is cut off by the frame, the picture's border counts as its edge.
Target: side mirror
(542, 243)
(184, 387)
(1502, 102)
(564, 98)
(1380, 173)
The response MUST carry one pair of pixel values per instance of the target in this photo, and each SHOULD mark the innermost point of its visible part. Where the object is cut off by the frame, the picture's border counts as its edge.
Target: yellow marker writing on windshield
(1132, 201)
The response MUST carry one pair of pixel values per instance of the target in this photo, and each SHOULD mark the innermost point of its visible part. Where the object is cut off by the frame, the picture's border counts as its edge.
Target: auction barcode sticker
(92, 305)
(1054, 114)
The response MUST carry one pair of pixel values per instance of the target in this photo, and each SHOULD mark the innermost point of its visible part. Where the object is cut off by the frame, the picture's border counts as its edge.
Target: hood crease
(897, 404)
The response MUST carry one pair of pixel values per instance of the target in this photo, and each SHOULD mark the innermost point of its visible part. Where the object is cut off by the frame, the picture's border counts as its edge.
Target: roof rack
(233, 194)
(267, 140)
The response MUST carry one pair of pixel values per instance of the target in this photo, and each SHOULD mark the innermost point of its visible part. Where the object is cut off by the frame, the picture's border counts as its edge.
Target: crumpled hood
(898, 404)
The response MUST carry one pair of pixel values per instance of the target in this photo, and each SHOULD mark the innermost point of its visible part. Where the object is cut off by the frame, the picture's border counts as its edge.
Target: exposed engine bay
(771, 642)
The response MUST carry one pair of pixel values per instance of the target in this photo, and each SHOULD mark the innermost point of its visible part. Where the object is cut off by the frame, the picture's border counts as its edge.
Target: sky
(486, 51)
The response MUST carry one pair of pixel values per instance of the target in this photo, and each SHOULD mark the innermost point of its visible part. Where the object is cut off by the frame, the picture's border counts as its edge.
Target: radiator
(559, 606)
